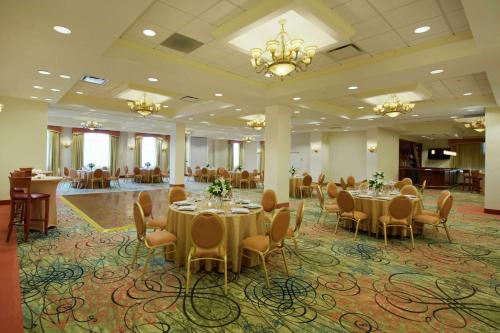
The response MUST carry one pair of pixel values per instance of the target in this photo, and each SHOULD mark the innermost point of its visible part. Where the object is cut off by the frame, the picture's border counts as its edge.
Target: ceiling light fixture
(79, 93)
(218, 94)
(477, 125)
(256, 124)
(361, 107)
(352, 87)
(297, 98)
(38, 87)
(34, 97)
(437, 71)
(421, 30)
(287, 55)
(64, 76)
(296, 111)
(467, 94)
(43, 72)
(211, 115)
(323, 118)
(143, 107)
(393, 107)
(48, 99)
(238, 109)
(62, 30)
(152, 79)
(149, 32)
(248, 139)
(91, 125)
(55, 89)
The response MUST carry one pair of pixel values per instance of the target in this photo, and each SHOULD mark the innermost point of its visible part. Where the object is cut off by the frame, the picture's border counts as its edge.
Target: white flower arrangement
(220, 188)
(377, 181)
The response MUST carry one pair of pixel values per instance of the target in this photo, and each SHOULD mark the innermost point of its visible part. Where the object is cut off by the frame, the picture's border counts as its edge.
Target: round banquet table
(379, 206)
(295, 183)
(238, 227)
(236, 177)
(86, 176)
(46, 185)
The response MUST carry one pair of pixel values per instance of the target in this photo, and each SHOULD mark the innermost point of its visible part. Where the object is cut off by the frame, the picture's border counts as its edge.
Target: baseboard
(492, 211)
(4, 202)
(176, 185)
(283, 204)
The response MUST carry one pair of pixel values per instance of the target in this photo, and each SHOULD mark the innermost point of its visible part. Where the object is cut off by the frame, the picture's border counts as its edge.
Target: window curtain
(77, 151)
(113, 158)
(167, 156)
(53, 152)
(242, 155)
(159, 144)
(230, 165)
(262, 156)
(138, 152)
(469, 156)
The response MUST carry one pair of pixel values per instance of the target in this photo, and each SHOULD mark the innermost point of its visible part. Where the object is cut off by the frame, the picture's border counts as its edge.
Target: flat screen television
(438, 154)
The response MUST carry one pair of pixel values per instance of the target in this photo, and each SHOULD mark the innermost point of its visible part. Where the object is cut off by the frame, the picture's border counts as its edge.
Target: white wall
(387, 153)
(251, 156)
(23, 138)
(348, 155)
(198, 152)
(426, 145)
(492, 158)
(219, 153)
(300, 152)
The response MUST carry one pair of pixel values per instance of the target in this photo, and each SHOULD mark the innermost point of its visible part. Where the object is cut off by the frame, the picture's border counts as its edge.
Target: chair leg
(357, 227)
(46, 217)
(263, 262)
(225, 275)
(320, 213)
(411, 235)
(385, 235)
(284, 261)
(150, 252)
(295, 245)
(135, 253)
(447, 232)
(337, 225)
(188, 274)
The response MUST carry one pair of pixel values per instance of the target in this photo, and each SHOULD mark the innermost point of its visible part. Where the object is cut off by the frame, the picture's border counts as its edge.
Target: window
(236, 154)
(96, 149)
(148, 151)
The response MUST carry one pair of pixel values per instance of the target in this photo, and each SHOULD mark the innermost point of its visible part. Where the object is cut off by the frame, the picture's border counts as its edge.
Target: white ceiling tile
(457, 19)
(438, 26)
(134, 33)
(450, 5)
(380, 43)
(414, 12)
(192, 7)
(245, 4)
(386, 5)
(207, 53)
(199, 30)
(166, 16)
(427, 38)
(233, 60)
(220, 13)
(335, 3)
(356, 11)
(371, 27)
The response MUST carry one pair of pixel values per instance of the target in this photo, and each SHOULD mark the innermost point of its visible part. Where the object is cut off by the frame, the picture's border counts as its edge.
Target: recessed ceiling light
(322, 118)
(165, 106)
(218, 94)
(48, 99)
(238, 109)
(297, 98)
(152, 79)
(190, 118)
(467, 94)
(421, 30)
(437, 71)
(38, 87)
(414, 115)
(64, 76)
(34, 97)
(293, 131)
(346, 130)
(211, 115)
(79, 93)
(92, 110)
(317, 124)
(149, 32)
(352, 87)
(344, 117)
(43, 72)
(296, 111)
(55, 89)
(453, 117)
(205, 122)
(371, 119)
(361, 107)
(62, 30)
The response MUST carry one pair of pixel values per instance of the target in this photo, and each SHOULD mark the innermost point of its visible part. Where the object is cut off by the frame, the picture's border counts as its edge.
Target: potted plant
(377, 182)
(220, 189)
(147, 164)
(293, 171)
(91, 166)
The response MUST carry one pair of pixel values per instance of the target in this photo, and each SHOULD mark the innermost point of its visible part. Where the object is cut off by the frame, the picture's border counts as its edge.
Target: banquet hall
(250, 166)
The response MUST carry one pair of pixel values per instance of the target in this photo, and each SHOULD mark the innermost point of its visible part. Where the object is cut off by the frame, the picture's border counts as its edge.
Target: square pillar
(492, 161)
(277, 152)
(177, 154)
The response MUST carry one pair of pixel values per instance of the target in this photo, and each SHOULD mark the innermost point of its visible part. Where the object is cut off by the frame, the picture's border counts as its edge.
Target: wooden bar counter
(436, 177)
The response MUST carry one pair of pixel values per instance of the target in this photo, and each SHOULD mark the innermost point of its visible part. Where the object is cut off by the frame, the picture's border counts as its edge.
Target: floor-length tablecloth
(295, 183)
(47, 185)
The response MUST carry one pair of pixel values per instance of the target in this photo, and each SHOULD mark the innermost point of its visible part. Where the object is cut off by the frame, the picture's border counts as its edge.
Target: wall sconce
(131, 147)
(164, 147)
(1, 107)
(259, 151)
(66, 144)
(315, 149)
(372, 148)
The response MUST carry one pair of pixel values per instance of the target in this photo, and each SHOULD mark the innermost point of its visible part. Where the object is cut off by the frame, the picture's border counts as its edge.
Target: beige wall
(348, 155)
(388, 153)
(23, 138)
(426, 145)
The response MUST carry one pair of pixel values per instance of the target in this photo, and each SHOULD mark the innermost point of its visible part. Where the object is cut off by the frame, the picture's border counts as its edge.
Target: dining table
(47, 185)
(249, 222)
(295, 184)
(86, 176)
(236, 179)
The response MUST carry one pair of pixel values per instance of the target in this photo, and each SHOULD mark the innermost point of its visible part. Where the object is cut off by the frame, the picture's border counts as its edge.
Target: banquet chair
(245, 179)
(165, 176)
(441, 219)
(66, 178)
(128, 175)
(400, 210)
(269, 202)
(343, 184)
(75, 179)
(115, 178)
(208, 232)
(326, 208)
(176, 194)
(407, 181)
(146, 203)
(331, 190)
(399, 185)
(137, 175)
(204, 175)
(21, 201)
(440, 200)
(265, 245)
(422, 187)
(293, 233)
(476, 181)
(227, 176)
(363, 185)
(156, 175)
(321, 180)
(345, 201)
(409, 190)
(306, 186)
(260, 180)
(197, 174)
(151, 240)
(351, 181)
(97, 176)
(467, 182)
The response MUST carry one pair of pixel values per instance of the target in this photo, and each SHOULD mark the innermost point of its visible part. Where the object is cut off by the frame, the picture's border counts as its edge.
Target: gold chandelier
(477, 125)
(256, 124)
(393, 107)
(91, 125)
(143, 107)
(287, 55)
(248, 139)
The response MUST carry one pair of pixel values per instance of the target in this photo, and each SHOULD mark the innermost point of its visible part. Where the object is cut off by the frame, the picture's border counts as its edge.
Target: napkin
(183, 203)
(411, 196)
(187, 208)
(364, 196)
(214, 210)
(239, 210)
(242, 201)
(252, 205)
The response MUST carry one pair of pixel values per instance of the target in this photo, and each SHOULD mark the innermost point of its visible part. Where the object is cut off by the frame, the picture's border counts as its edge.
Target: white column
(277, 152)
(492, 159)
(188, 151)
(177, 154)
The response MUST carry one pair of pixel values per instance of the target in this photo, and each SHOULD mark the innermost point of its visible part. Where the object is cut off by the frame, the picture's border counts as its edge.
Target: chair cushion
(429, 212)
(34, 196)
(209, 253)
(256, 243)
(159, 222)
(159, 238)
(426, 219)
(387, 220)
(357, 215)
(332, 207)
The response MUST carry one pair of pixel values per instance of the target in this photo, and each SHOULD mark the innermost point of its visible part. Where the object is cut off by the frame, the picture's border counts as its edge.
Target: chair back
(66, 171)
(225, 174)
(442, 197)
(321, 179)
(321, 197)
(399, 185)
(176, 194)
(343, 184)
(126, 169)
(98, 173)
(400, 207)
(190, 171)
(467, 172)
(139, 221)
(204, 171)
(117, 173)
(407, 181)
(307, 181)
(351, 181)
(245, 175)
(345, 201)
(409, 190)
(207, 231)
(18, 184)
(299, 215)
(146, 203)
(422, 187)
(105, 168)
(269, 200)
(255, 172)
(157, 171)
(446, 208)
(137, 171)
(331, 190)
(73, 174)
(363, 185)
(305, 173)
(279, 226)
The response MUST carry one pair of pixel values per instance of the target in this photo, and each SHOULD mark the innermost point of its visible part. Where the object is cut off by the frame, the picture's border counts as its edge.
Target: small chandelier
(143, 107)
(393, 107)
(477, 125)
(256, 124)
(91, 125)
(287, 55)
(248, 139)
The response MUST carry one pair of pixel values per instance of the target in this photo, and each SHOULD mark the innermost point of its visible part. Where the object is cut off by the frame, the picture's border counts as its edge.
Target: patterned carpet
(80, 280)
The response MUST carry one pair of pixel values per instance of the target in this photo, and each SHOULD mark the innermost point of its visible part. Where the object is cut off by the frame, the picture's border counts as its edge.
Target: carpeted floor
(80, 280)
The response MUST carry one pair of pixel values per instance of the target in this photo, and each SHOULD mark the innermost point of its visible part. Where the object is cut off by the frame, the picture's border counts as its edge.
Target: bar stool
(22, 200)
(467, 180)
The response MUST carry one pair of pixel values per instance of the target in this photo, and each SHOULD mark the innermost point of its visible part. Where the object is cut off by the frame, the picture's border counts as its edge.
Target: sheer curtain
(138, 151)
(77, 151)
(469, 156)
(230, 165)
(149, 152)
(262, 156)
(159, 144)
(113, 158)
(53, 148)
(97, 149)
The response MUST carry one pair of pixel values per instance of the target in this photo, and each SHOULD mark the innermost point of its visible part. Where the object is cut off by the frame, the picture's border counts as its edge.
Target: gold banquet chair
(409, 190)
(351, 181)
(326, 208)
(176, 194)
(146, 203)
(207, 237)
(441, 219)
(306, 186)
(400, 210)
(345, 201)
(407, 181)
(152, 240)
(440, 200)
(269, 202)
(399, 185)
(265, 245)
(293, 233)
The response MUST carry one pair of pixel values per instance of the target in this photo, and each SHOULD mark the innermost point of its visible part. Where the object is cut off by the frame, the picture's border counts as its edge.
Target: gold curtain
(159, 143)
(469, 156)
(262, 156)
(113, 158)
(53, 149)
(230, 165)
(138, 152)
(167, 156)
(242, 155)
(77, 151)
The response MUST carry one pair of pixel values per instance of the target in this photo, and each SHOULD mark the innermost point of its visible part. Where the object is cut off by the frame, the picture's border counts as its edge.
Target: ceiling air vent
(335, 127)
(93, 79)
(345, 52)
(181, 43)
(189, 99)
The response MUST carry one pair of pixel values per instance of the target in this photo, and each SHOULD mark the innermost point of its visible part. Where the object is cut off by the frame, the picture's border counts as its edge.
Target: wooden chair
(400, 210)
(321, 180)
(407, 181)
(306, 186)
(265, 245)
(151, 240)
(476, 181)
(441, 219)
(345, 201)
(399, 185)
(75, 179)
(137, 175)
(467, 182)
(97, 176)
(156, 175)
(293, 233)
(245, 179)
(331, 190)
(128, 175)
(146, 203)
(326, 208)
(207, 238)
(176, 194)
(115, 178)
(409, 190)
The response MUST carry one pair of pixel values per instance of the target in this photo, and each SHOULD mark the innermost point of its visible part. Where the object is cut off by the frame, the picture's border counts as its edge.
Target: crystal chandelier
(143, 107)
(393, 107)
(256, 124)
(287, 55)
(91, 125)
(477, 125)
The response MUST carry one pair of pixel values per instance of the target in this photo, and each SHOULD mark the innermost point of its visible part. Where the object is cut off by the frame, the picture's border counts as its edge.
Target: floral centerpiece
(293, 171)
(91, 166)
(208, 165)
(220, 189)
(377, 181)
(147, 164)
(239, 168)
